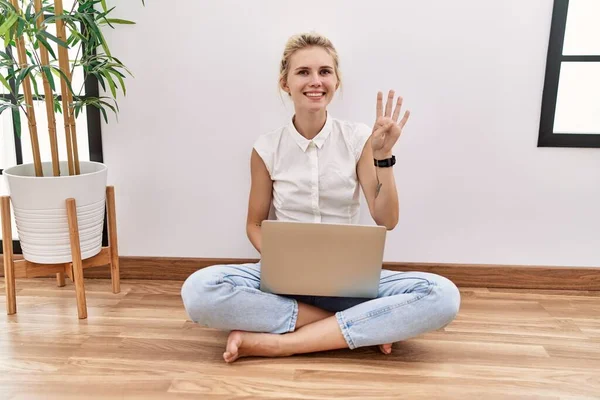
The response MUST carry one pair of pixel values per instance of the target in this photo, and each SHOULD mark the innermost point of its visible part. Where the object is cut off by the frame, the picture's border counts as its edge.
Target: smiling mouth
(314, 95)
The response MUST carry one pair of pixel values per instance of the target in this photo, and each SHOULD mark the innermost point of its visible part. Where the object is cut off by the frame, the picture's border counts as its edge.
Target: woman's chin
(314, 108)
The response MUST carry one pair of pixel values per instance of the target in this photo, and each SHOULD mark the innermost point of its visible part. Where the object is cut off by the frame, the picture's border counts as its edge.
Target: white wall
(474, 188)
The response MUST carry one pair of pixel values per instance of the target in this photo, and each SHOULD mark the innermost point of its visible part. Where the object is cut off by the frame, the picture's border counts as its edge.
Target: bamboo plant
(24, 26)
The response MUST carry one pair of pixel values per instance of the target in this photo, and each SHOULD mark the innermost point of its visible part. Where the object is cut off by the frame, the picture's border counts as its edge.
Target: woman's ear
(284, 87)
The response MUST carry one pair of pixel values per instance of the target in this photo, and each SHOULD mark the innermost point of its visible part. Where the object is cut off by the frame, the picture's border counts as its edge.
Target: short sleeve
(264, 148)
(361, 135)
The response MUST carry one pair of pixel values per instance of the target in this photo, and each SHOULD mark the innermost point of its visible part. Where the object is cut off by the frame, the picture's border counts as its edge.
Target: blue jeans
(227, 297)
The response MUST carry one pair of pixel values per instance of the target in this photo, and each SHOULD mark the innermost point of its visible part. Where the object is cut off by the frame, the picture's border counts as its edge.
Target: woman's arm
(259, 203)
(379, 185)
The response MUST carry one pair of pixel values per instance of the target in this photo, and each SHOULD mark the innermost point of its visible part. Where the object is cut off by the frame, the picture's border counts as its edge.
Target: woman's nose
(315, 80)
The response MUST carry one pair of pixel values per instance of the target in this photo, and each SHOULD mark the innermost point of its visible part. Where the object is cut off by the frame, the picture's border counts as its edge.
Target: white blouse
(315, 180)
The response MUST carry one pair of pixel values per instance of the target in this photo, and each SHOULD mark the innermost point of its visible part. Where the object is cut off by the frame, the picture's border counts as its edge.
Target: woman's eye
(325, 71)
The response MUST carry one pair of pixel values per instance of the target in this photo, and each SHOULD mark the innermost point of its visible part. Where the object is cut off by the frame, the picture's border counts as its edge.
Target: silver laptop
(318, 259)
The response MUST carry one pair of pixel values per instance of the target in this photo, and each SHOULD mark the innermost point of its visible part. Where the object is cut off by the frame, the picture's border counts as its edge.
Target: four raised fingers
(388, 108)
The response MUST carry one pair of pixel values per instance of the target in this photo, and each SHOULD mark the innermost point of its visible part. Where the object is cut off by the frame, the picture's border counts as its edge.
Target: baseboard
(463, 275)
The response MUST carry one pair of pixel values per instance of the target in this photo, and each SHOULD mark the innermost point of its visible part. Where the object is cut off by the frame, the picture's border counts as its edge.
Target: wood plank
(77, 264)
(8, 260)
(112, 238)
(28, 269)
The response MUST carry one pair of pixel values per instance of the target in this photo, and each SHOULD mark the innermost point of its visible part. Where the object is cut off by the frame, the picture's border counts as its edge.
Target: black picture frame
(547, 137)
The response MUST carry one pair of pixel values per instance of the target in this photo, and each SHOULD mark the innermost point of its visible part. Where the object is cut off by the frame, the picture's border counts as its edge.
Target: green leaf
(63, 76)
(24, 72)
(46, 45)
(55, 71)
(4, 106)
(28, 10)
(110, 105)
(11, 75)
(103, 2)
(54, 39)
(30, 56)
(91, 24)
(100, 80)
(5, 4)
(20, 27)
(57, 105)
(75, 38)
(35, 86)
(8, 23)
(87, 6)
(111, 83)
(120, 65)
(67, 18)
(16, 115)
(48, 72)
(119, 21)
(104, 114)
(102, 16)
(120, 78)
(5, 83)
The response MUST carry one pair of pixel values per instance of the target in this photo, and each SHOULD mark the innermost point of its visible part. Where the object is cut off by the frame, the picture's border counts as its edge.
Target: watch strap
(388, 162)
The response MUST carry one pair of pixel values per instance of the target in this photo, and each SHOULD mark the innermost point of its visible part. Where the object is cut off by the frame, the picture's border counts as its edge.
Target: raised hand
(387, 129)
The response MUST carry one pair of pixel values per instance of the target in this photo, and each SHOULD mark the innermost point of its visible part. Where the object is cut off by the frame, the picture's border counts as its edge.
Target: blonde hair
(302, 41)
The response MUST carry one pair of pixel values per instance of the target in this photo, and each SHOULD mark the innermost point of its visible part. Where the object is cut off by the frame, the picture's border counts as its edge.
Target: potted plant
(39, 190)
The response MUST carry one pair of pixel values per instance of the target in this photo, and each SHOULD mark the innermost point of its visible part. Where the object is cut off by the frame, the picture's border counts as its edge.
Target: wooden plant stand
(74, 270)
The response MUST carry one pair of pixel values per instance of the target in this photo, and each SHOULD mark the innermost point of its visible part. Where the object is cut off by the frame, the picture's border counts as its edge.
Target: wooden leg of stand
(76, 256)
(60, 279)
(7, 251)
(112, 239)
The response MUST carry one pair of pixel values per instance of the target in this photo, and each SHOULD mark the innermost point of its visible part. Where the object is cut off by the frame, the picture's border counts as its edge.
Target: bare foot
(243, 344)
(386, 348)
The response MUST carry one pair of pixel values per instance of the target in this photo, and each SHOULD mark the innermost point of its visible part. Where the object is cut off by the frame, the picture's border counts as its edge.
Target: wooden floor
(509, 344)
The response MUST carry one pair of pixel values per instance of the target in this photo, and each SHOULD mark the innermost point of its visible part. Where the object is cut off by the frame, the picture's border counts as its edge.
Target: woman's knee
(448, 299)
(198, 294)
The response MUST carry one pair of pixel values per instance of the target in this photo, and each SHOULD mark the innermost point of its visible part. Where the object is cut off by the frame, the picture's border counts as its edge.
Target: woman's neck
(309, 124)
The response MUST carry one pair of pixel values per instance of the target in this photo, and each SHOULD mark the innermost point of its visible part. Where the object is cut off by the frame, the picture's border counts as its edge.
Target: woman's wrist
(382, 155)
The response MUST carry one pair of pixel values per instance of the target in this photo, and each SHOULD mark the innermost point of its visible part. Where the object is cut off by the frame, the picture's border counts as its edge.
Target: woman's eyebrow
(323, 66)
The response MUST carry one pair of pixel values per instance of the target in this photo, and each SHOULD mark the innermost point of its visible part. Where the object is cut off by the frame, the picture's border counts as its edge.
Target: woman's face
(311, 80)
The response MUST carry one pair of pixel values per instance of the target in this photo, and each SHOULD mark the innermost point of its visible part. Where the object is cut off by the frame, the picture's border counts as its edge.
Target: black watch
(388, 162)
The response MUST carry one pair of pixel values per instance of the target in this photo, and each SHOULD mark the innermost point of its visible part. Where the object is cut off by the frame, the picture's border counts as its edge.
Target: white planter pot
(39, 205)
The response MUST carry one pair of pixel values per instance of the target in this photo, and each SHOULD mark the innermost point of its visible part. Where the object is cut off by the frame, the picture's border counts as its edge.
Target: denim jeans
(227, 297)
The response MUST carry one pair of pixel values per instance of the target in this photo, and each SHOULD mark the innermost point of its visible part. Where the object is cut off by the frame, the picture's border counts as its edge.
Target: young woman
(310, 170)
